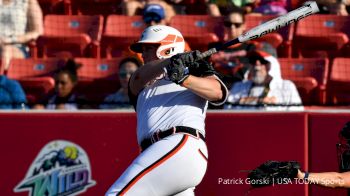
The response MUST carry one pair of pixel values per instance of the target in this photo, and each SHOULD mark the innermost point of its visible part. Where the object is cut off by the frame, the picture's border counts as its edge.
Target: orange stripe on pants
(154, 165)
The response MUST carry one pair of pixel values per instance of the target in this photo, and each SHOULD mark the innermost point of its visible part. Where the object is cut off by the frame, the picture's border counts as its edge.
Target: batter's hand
(177, 70)
(187, 58)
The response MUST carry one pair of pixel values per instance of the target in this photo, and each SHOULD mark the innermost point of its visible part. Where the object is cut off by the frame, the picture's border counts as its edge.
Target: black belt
(162, 134)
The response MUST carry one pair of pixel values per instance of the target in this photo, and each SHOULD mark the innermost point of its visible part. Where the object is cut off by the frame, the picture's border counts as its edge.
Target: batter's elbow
(217, 95)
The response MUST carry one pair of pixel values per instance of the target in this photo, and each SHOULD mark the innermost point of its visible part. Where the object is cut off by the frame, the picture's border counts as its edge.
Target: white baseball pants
(174, 165)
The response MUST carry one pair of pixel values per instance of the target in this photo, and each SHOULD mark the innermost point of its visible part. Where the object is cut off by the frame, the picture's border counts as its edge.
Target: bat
(308, 8)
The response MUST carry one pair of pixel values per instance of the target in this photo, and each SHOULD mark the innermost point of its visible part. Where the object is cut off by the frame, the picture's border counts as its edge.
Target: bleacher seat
(310, 77)
(35, 76)
(339, 82)
(322, 35)
(71, 35)
(198, 30)
(96, 7)
(281, 39)
(98, 78)
(120, 32)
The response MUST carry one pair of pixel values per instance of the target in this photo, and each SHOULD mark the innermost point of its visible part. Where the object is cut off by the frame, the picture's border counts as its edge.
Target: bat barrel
(308, 8)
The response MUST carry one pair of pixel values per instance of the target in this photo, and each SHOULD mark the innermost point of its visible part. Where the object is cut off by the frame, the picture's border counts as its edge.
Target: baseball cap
(260, 55)
(153, 12)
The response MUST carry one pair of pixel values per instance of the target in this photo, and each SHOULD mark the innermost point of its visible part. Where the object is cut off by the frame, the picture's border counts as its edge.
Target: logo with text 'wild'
(61, 168)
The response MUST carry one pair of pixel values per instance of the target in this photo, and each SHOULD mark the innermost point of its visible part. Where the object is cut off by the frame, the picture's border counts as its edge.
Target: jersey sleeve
(224, 93)
(202, 69)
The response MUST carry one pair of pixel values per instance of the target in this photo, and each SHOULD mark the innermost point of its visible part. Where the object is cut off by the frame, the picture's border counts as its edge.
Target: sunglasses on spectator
(229, 24)
(123, 74)
(149, 18)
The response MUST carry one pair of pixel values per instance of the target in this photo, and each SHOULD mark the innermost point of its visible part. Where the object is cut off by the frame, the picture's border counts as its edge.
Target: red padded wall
(237, 142)
(324, 129)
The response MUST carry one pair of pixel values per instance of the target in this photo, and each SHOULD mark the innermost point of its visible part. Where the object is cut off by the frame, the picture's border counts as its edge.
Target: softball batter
(170, 94)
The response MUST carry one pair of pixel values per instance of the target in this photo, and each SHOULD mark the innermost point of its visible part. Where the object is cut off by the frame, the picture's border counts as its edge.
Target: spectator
(120, 99)
(20, 23)
(154, 14)
(339, 8)
(269, 7)
(65, 96)
(325, 6)
(233, 62)
(12, 95)
(135, 7)
(264, 87)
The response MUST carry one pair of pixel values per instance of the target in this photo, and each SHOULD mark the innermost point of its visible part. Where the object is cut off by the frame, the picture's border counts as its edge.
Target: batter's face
(125, 71)
(234, 25)
(149, 52)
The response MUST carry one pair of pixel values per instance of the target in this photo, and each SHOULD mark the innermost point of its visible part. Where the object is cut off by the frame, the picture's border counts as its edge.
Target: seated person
(120, 99)
(12, 95)
(154, 14)
(324, 5)
(64, 96)
(135, 7)
(339, 8)
(21, 21)
(232, 62)
(268, 7)
(264, 87)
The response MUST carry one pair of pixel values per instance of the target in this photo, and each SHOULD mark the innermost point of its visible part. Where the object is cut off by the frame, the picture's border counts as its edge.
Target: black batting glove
(178, 69)
(187, 58)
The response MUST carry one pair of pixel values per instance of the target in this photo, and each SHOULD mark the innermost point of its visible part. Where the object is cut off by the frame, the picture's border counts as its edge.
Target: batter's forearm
(147, 73)
(208, 88)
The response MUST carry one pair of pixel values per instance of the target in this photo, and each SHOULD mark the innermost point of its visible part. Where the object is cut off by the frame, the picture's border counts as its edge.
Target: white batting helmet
(170, 41)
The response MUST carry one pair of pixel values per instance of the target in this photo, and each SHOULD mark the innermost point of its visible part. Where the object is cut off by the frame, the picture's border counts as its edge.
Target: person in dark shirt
(65, 96)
